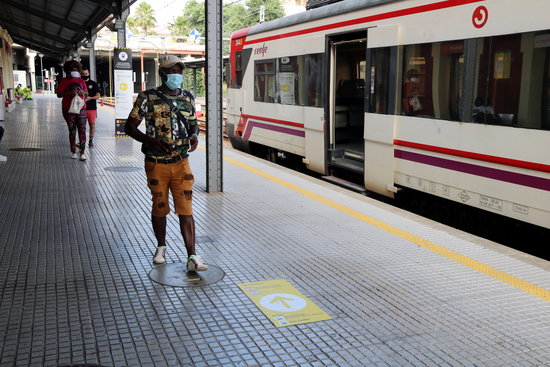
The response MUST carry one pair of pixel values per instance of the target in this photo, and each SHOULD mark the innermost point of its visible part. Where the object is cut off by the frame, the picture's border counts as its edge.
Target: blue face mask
(173, 81)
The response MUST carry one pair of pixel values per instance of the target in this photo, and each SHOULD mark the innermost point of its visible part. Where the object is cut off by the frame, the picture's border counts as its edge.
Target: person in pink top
(68, 87)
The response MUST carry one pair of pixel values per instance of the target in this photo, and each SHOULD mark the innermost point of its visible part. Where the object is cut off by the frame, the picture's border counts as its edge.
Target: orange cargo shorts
(174, 177)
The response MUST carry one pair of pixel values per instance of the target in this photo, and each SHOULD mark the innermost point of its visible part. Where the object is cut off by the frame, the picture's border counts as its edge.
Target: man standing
(91, 103)
(171, 133)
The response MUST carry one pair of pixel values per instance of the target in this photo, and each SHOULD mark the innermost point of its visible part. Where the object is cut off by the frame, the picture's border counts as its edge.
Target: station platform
(399, 290)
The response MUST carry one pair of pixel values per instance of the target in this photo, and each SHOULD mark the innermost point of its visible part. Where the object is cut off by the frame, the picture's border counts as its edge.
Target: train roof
(326, 11)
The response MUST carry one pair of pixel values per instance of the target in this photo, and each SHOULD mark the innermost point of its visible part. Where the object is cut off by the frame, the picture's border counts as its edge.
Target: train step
(345, 184)
(348, 164)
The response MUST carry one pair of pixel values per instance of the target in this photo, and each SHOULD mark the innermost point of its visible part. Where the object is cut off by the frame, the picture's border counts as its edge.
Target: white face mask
(75, 74)
(414, 80)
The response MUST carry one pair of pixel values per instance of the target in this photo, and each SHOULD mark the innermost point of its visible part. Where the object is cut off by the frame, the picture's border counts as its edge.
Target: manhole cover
(176, 275)
(25, 149)
(123, 169)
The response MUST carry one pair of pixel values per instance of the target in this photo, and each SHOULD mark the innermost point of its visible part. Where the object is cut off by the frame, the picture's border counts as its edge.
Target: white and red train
(447, 97)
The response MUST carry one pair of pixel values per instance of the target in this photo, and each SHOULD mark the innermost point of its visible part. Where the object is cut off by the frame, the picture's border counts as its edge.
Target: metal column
(120, 26)
(214, 103)
(92, 61)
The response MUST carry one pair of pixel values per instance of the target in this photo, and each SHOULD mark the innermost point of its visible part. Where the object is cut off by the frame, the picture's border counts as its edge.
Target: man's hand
(193, 142)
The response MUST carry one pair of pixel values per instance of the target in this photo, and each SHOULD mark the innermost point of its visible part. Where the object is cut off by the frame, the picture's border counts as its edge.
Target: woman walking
(68, 87)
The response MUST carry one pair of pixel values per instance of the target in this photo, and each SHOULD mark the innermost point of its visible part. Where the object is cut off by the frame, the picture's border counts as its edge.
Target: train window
(314, 68)
(379, 80)
(513, 82)
(417, 81)
(432, 80)
(264, 81)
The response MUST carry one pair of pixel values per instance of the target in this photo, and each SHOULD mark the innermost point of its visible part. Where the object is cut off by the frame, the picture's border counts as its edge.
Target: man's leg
(187, 228)
(157, 181)
(159, 227)
(182, 191)
(92, 115)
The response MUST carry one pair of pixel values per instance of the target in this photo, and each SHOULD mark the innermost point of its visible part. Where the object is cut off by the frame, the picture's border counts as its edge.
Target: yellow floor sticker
(283, 304)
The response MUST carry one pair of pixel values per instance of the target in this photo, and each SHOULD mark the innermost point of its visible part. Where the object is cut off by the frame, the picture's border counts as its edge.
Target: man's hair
(72, 64)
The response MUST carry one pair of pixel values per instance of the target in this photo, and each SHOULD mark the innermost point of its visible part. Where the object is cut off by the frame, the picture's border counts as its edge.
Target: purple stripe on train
(473, 169)
(281, 129)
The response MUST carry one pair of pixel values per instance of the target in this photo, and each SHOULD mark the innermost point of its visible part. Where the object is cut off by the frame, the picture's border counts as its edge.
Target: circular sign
(480, 17)
(283, 302)
(123, 56)
(123, 86)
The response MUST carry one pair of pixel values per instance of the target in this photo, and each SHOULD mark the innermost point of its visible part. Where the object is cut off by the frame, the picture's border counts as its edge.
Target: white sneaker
(75, 155)
(83, 156)
(195, 263)
(160, 255)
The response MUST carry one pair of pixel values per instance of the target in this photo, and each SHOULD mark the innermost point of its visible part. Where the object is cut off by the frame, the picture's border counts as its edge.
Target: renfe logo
(480, 16)
(261, 50)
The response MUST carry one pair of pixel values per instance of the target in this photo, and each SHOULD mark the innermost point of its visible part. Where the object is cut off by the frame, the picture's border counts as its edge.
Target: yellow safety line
(449, 254)
(112, 110)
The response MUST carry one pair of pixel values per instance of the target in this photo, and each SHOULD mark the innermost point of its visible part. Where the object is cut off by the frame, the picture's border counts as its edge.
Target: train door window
(313, 91)
(288, 80)
(379, 80)
(545, 72)
(238, 70)
(534, 97)
(448, 79)
(417, 81)
(264, 81)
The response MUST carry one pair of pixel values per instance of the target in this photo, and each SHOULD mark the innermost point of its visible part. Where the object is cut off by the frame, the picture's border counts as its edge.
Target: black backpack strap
(174, 109)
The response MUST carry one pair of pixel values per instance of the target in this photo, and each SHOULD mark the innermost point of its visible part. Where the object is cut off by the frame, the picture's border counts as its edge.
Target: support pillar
(91, 50)
(214, 103)
(120, 26)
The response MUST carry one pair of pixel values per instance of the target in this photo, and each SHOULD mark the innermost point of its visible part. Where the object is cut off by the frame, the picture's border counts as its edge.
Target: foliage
(235, 16)
(188, 82)
(193, 17)
(273, 10)
(143, 21)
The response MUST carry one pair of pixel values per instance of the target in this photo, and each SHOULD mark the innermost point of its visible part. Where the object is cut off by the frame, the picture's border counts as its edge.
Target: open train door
(346, 107)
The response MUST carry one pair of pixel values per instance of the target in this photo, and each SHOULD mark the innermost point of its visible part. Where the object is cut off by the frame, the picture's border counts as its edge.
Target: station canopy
(58, 28)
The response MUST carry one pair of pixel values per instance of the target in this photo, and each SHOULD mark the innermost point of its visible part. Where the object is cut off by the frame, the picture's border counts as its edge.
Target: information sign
(283, 304)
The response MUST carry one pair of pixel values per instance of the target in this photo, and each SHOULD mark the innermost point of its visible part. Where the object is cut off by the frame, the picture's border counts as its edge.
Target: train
(450, 98)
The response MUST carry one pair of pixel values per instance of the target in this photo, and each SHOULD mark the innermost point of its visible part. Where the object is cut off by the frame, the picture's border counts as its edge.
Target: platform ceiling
(57, 28)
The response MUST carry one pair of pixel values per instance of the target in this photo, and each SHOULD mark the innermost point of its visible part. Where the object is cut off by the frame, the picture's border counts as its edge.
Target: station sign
(283, 304)
(123, 87)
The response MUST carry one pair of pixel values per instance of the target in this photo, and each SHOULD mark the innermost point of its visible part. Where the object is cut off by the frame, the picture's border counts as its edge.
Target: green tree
(193, 17)
(143, 21)
(273, 10)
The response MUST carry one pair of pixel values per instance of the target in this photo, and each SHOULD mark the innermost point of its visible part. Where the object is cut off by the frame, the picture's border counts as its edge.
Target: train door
(346, 108)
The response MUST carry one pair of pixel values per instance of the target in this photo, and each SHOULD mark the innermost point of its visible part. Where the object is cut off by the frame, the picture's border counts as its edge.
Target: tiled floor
(76, 244)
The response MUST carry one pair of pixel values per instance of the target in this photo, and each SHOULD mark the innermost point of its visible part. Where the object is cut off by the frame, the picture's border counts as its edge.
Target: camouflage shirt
(163, 124)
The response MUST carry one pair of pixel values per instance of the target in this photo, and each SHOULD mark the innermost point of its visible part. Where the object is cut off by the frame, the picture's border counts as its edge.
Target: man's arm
(157, 145)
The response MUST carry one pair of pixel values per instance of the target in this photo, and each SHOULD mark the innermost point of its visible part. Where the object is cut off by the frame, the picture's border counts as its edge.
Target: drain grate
(25, 149)
(123, 169)
(176, 275)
